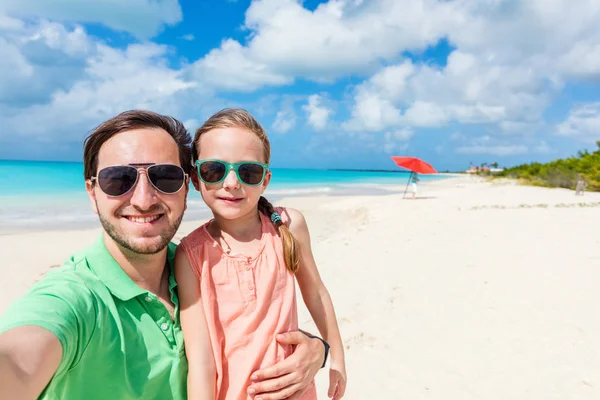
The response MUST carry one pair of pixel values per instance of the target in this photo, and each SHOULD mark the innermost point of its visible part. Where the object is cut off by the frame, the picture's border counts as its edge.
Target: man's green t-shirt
(119, 341)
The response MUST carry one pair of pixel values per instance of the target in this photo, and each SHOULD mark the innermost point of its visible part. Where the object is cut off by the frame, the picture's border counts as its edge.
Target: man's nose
(144, 194)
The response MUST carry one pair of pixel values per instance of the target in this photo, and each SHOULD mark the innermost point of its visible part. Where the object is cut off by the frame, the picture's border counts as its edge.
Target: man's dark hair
(135, 119)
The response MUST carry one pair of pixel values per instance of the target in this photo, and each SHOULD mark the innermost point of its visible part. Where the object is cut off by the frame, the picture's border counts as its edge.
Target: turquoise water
(40, 194)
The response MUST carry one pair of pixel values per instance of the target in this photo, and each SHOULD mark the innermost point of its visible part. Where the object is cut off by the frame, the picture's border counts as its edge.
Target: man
(106, 324)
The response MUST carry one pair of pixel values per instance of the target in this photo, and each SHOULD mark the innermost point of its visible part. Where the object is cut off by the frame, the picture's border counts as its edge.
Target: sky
(336, 84)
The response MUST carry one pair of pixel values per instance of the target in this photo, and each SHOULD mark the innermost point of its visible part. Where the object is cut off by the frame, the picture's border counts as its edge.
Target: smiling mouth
(230, 199)
(143, 219)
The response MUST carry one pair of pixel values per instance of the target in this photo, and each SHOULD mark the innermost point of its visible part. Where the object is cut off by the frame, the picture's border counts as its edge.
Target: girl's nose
(231, 181)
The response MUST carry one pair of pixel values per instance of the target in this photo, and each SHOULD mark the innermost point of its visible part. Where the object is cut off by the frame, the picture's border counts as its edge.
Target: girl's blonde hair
(239, 118)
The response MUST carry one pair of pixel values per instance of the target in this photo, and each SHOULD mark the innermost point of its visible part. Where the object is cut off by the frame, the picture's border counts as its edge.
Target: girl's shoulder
(196, 237)
(288, 215)
(283, 213)
(292, 218)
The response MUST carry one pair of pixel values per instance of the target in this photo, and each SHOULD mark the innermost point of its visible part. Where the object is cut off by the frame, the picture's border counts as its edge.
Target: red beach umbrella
(415, 166)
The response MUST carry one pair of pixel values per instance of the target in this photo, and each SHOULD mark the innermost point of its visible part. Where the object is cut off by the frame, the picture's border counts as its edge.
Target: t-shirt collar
(106, 268)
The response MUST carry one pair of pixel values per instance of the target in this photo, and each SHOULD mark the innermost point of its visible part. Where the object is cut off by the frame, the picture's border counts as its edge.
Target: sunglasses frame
(136, 167)
(231, 166)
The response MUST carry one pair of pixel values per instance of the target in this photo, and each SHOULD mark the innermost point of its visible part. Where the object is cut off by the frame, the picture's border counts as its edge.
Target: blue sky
(337, 84)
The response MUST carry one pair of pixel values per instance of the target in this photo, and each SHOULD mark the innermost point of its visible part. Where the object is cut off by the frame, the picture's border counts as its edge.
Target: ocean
(42, 195)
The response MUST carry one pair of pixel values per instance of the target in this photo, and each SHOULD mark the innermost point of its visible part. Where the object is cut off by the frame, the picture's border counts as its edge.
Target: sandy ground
(473, 291)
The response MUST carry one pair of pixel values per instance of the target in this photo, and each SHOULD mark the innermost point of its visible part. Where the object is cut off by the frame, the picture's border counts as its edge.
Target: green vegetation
(560, 173)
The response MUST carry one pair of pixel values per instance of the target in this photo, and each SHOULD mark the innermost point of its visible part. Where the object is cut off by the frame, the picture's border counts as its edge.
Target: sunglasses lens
(251, 174)
(117, 180)
(211, 171)
(167, 178)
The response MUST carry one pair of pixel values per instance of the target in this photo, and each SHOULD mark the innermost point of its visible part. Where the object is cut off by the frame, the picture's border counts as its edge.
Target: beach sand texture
(475, 291)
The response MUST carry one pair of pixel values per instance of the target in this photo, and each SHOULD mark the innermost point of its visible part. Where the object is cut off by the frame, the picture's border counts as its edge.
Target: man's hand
(29, 357)
(288, 378)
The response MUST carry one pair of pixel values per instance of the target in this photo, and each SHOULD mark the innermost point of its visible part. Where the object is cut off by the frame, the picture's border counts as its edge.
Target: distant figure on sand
(581, 185)
(413, 185)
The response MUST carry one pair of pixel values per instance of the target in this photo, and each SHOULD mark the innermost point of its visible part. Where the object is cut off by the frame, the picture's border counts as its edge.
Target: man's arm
(29, 357)
(288, 378)
(43, 333)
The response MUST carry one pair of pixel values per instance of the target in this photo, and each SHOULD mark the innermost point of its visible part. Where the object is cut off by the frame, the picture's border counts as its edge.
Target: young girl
(237, 272)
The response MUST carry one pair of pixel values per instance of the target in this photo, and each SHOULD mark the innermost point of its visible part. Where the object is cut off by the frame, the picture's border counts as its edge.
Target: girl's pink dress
(247, 302)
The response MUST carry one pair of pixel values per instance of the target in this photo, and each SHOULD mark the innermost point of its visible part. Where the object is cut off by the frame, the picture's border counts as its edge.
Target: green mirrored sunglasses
(249, 173)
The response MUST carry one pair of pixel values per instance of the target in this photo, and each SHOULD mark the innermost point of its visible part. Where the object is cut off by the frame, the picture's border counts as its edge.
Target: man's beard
(165, 237)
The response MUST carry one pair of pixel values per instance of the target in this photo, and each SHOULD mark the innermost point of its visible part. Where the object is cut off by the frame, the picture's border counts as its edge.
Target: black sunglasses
(251, 173)
(118, 180)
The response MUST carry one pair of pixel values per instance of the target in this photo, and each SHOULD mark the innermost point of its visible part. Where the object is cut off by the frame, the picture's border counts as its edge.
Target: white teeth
(144, 219)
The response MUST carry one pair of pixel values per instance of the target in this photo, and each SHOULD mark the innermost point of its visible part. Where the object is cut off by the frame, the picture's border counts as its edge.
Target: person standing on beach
(106, 324)
(580, 186)
(238, 271)
(413, 185)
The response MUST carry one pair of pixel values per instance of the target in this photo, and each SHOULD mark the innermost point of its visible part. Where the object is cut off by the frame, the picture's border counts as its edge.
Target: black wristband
(324, 344)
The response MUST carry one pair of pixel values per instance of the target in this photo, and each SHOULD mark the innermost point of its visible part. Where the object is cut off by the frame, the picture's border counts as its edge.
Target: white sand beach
(474, 291)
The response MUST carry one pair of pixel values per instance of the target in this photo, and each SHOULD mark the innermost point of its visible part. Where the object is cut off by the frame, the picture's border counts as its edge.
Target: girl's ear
(266, 181)
(194, 178)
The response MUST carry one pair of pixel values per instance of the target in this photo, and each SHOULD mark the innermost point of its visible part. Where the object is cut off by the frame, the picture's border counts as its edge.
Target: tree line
(562, 173)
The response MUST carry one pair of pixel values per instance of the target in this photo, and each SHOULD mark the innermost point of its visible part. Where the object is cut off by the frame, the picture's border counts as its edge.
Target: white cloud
(519, 127)
(501, 146)
(403, 134)
(510, 59)
(326, 41)
(397, 140)
(57, 37)
(469, 90)
(142, 18)
(318, 115)
(37, 59)
(530, 36)
(504, 86)
(372, 112)
(191, 125)
(542, 147)
(506, 83)
(339, 37)
(498, 150)
(284, 120)
(230, 68)
(344, 37)
(189, 37)
(112, 80)
(14, 69)
(457, 136)
(582, 123)
(10, 24)
(582, 60)
(422, 113)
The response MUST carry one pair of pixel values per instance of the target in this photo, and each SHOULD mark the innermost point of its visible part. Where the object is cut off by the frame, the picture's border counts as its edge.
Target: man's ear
(89, 188)
(187, 191)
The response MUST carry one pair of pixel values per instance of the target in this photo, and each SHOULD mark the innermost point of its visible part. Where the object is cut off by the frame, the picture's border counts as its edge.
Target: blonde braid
(291, 253)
